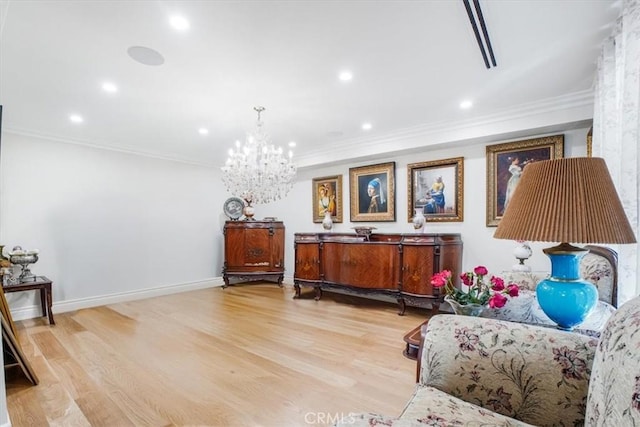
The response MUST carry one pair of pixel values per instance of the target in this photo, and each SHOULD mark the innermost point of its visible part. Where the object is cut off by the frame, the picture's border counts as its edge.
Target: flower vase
(465, 309)
(418, 221)
(327, 222)
(248, 211)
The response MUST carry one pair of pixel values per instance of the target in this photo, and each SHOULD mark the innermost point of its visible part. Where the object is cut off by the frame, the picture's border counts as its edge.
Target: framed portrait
(372, 192)
(505, 164)
(436, 189)
(327, 197)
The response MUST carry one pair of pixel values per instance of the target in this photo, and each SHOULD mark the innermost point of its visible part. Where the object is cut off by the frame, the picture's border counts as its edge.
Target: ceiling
(413, 62)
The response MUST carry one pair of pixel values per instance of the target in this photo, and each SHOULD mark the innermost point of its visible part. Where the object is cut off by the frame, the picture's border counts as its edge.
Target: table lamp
(566, 200)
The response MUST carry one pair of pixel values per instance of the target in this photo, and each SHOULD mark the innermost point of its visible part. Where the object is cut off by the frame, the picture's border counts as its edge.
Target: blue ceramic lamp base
(565, 297)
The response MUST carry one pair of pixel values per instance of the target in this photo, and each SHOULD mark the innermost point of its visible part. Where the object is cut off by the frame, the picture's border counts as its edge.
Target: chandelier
(258, 171)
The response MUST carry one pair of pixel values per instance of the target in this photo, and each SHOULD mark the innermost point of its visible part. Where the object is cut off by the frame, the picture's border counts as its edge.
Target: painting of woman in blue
(434, 200)
(377, 202)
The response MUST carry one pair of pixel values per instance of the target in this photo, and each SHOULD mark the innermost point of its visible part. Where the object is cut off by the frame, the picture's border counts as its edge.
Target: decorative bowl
(364, 230)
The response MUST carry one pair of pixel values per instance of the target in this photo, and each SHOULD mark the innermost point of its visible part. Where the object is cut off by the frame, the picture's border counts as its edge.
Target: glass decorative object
(465, 309)
(522, 253)
(258, 171)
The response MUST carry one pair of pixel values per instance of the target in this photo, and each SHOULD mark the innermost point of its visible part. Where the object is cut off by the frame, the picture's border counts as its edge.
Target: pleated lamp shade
(566, 200)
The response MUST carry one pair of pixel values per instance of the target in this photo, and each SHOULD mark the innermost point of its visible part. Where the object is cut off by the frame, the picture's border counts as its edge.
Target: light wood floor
(247, 355)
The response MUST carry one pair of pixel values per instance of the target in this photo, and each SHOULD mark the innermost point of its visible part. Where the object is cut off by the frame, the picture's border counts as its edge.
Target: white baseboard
(77, 304)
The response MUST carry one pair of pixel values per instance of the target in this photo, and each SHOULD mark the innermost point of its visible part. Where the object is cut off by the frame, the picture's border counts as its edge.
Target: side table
(412, 341)
(41, 283)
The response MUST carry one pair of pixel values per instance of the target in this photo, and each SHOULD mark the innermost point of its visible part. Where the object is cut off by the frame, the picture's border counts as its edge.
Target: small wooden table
(40, 283)
(412, 340)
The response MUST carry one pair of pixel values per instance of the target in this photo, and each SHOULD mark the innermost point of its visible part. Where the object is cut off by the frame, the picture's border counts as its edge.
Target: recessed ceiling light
(366, 126)
(75, 118)
(466, 104)
(179, 23)
(292, 144)
(203, 131)
(345, 76)
(109, 87)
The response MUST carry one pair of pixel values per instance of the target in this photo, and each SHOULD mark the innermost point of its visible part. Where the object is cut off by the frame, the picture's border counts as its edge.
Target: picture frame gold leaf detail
(327, 196)
(506, 163)
(437, 189)
(372, 193)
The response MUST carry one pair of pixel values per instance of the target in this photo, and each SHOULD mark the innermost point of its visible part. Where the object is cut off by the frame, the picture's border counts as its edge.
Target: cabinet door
(361, 265)
(248, 249)
(277, 248)
(307, 261)
(417, 269)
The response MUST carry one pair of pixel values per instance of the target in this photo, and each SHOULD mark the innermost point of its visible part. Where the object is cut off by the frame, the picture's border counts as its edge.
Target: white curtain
(616, 129)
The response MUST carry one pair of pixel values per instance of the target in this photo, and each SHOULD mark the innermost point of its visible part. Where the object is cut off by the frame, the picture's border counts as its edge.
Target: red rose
(480, 270)
(513, 289)
(498, 283)
(497, 301)
(467, 279)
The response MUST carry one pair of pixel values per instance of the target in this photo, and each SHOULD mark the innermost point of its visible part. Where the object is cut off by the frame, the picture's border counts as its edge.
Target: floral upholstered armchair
(477, 371)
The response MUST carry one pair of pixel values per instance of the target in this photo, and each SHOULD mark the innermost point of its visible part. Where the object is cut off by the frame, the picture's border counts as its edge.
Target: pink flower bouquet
(494, 293)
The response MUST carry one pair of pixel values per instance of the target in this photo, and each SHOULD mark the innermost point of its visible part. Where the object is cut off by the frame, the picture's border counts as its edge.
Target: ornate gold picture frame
(505, 164)
(436, 188)
(327, 197)
(372, 192)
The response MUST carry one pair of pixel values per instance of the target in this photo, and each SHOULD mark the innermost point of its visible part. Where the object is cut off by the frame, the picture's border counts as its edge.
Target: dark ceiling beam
(476, 31)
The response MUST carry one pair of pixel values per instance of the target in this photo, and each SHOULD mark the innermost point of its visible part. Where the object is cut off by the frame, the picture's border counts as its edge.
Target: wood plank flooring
(247, 355)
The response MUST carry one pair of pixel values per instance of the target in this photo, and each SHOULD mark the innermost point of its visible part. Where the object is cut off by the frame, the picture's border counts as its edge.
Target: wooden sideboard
(397, 265)
(253, 250)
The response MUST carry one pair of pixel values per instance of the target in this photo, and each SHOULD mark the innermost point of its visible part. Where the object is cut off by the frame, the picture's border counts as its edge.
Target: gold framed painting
(372, 192)
(436, 189)
(506, 163)
(327, 197)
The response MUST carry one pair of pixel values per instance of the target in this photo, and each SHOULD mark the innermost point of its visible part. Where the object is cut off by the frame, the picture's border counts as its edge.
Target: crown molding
(565, 110)
(103, 146)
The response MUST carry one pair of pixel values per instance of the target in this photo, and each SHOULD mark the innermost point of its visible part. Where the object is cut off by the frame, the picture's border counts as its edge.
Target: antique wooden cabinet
(398, 265)
(253, 250)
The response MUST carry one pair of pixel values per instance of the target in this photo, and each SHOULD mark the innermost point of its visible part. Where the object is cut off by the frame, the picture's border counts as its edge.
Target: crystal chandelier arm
(258, 171)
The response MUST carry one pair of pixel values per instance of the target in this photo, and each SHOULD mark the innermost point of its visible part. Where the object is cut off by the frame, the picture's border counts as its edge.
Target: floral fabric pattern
(538, 376)
(599, 271)
(614, 392)
(477, 371)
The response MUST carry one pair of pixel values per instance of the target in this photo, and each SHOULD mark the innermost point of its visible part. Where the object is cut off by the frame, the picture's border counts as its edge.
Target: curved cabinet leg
(318, 293)
(226, 281)
(297, 288)
(402, 306)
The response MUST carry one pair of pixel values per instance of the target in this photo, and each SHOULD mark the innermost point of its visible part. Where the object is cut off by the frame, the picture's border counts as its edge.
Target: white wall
(113, 226)
(109, 225)
(479, 246)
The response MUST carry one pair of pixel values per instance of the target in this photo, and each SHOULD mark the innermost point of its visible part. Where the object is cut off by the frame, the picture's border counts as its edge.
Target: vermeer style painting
(372, 192)
(506, 164)
(327, 197)
(436, 189)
